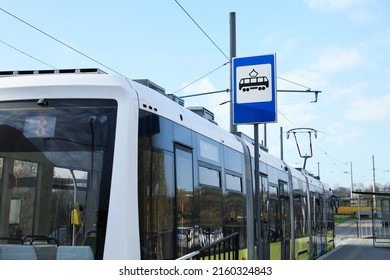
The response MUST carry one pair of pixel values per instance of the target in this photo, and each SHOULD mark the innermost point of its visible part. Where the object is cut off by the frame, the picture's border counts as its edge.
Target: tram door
(316, 232)
(185, 233)
(264, 227)
(279, 208)
(284, 200)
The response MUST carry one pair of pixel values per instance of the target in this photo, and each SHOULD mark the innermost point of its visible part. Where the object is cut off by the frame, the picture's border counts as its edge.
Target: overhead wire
(59, 41)
(24, 53)
(211, 40)
(204, 32)
(284, 79)
(205, 75)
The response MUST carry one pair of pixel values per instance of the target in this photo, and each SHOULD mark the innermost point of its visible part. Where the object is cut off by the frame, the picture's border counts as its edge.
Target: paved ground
(350, 247)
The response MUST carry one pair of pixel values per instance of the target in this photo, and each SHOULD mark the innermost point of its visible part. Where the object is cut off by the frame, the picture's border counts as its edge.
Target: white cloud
(329, 61)
(340, 134)
(336, 58)
(363, 109)
(297, 115)
(361, 16)
(339, 93)
(332, 5)
(201, 86)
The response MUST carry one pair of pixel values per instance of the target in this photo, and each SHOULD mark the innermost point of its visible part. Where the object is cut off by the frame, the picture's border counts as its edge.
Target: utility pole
(318, 169)
(233, 127)
(281, 143)
(373, 187)
(351, 180)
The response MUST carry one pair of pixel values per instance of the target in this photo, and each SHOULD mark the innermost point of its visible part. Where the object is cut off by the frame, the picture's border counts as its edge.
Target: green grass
(338, 219)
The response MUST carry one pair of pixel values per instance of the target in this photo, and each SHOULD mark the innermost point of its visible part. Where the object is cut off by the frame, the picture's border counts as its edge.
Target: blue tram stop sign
(254, 90)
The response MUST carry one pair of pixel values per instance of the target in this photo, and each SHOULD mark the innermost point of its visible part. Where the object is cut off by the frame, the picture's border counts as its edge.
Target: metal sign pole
(257, 191)
(233, 127)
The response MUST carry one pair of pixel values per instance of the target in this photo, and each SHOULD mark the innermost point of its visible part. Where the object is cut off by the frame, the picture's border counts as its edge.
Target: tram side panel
(189, 196)
(301, 224)
(318, 208)
(272, 233)
(329, 219)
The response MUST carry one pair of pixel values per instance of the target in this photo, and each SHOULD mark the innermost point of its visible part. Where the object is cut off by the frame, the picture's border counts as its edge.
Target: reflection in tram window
(156, 198)
(209, 177)
(236, 215)
(300, 212)
(210, 206)
(184, 201)
(233, 183)
(274, 210)
(210, 215)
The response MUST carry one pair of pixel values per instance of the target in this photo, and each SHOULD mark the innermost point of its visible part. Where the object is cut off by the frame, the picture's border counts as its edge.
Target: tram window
(233, 183)
(274, 220)
(300, 212)
(182, 135)
(209, 150)
(156, 199)
(149, 124)
(18, 199)
(210, 215)
(209, 177)
(329, 213)
(275, 215)
(1, 176)
(74, 135)
(236, 215)
(160, 130)
(273, 192)
(233, 160)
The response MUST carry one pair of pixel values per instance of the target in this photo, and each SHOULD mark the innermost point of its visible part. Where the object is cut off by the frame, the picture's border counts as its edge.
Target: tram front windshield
(55, 170)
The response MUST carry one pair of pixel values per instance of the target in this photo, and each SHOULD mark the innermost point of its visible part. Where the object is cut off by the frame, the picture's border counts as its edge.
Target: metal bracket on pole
(316, 92)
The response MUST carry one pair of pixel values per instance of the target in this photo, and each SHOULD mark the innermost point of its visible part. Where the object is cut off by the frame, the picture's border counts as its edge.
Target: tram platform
(350, 247)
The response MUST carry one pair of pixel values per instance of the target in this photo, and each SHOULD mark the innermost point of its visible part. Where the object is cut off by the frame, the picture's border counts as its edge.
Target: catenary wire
(59, 41)
(204, 32)
(205, 75)
(30, 56)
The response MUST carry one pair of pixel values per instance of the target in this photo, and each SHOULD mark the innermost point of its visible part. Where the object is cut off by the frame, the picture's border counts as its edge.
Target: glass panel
(156, 200)
(209, 177)
(265, 217)
(184, 202)
(300, 212)
(233, 183)
(285, 211)
(1, 175)
(233, 160)
(208, 150)
(385, 204)
(70, 189)
(210, 207)
(61, 158)
(236, 215)
(274, 210)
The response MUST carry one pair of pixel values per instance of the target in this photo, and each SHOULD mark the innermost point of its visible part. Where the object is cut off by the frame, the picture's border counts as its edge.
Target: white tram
(98, 166)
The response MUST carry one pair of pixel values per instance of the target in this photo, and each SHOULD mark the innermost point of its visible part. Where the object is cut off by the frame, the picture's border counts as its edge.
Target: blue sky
(339, 47)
